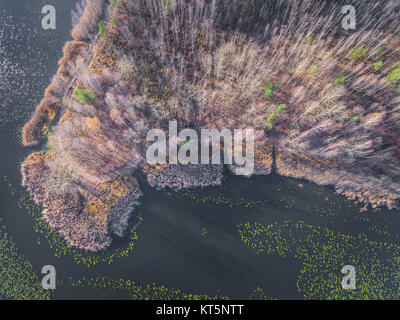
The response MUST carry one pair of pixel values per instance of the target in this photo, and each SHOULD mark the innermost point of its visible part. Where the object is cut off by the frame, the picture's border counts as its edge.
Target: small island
(323, 101)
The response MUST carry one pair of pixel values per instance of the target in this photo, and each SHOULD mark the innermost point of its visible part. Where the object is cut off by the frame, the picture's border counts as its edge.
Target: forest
(324, 102)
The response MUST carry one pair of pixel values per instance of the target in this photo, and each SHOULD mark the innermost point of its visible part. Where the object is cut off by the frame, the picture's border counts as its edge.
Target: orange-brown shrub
(88, 24)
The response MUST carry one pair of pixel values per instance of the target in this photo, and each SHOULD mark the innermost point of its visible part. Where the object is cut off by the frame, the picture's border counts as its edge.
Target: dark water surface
(171, 250)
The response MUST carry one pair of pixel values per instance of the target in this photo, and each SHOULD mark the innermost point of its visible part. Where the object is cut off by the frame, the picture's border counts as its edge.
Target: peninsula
(323, 101)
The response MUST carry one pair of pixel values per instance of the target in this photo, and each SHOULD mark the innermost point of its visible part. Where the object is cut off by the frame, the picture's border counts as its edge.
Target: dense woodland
(324, 102)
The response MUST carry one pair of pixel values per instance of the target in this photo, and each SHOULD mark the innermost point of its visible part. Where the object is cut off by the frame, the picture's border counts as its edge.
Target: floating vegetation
(137, 292)
(25, 53)
(324, 253)
(18, 280)
(258, 294)
(61, 247)
(326, 209)
(219, 197)
(195, 196)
